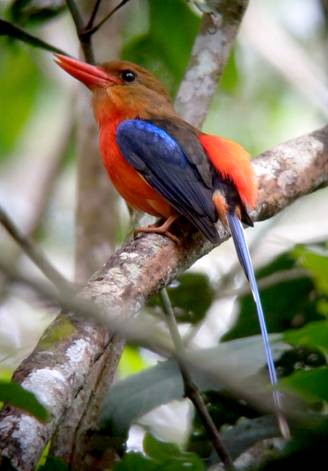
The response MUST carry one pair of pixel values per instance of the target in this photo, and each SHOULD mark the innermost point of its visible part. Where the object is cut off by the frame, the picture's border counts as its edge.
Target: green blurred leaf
(168, 456)
(35, 11)
(312, 385)
(314, 334)
(20, 82)
(307, 450)
(248, 432)
(286, 304)
(53, 464)
(5, 374)
(299, 357)
(14, 395)
(191, 296)
(131, 361)
(316, 261)
(135, 462)
(133, 397)
(165, 48)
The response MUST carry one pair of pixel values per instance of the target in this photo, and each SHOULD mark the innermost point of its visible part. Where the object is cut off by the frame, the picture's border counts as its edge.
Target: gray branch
(67, 353)
(208, 58)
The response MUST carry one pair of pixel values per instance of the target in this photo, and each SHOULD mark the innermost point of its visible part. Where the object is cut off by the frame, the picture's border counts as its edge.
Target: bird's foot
(162, 229)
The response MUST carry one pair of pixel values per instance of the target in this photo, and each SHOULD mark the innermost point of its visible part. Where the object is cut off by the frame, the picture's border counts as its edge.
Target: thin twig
(13, 31)
(34, 253)
(48, 177)
(88, 32)
(85, 40)
(93, 14)
(191, 390)
(76, 15)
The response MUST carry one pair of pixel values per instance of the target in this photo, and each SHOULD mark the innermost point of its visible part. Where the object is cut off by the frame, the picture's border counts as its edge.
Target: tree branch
(57, 369)
(93, 14)
(208, 58)
(89, 30)
(12, 31)
(85, 41)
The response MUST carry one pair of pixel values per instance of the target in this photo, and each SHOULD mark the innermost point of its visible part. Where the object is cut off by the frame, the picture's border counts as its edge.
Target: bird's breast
(127, 181)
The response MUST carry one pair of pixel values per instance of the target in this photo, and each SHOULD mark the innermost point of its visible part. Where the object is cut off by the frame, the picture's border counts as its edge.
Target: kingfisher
(164, 166)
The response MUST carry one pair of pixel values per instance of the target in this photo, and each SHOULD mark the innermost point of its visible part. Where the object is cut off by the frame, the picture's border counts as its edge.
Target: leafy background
(258, 105)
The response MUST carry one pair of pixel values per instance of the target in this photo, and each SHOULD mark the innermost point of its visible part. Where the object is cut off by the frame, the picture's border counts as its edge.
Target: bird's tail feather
(242, 250)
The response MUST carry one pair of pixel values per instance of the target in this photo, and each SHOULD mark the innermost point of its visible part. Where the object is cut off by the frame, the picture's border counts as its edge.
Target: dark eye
(128, 76)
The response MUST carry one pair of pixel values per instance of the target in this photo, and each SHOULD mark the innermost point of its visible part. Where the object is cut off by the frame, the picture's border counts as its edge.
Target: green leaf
(15, 395)
(312, 385)
(165, 48)
(35, 11)
(316, 261)
(133, 397)
(248, 432)
(170, 456)
(191, 295)
(299, 357)
(314, 334)
(20, 81)
(131, 361)
(53, 464)
(135, 462)
(286, 304)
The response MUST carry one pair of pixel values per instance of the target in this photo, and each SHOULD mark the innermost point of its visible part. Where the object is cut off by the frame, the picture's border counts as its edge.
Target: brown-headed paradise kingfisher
(164, 166)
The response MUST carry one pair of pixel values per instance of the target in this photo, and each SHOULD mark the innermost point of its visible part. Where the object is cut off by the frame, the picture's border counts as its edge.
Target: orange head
(120, 89)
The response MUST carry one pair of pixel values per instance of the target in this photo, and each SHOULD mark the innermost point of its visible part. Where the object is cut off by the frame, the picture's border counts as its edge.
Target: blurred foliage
(131, 361)
(30, 12)
(311, 385)
(301, 357)
(225, 410)
(140, 393)
(314, 259)
(313, 334)
(160, 456)
(53, 464)
(307, 450)
(191, 295)
(15, 395)
(287, 304)
(21, 84)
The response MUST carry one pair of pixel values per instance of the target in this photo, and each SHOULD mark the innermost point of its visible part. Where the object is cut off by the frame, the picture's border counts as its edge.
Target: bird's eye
(128, 76)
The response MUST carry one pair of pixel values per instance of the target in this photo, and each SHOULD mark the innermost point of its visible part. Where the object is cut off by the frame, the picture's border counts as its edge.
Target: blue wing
(158, 157)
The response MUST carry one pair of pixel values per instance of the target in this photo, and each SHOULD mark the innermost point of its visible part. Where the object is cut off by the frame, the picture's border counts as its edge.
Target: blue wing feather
(161, 161)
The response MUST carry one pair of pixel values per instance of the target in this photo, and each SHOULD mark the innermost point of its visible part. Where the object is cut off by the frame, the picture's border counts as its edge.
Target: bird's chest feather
(128, 182)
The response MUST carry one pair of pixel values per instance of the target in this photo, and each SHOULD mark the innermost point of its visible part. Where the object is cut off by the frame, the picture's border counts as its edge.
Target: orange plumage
(233, 162)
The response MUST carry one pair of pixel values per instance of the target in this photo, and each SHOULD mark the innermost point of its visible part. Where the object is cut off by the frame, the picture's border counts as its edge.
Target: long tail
(242, 250)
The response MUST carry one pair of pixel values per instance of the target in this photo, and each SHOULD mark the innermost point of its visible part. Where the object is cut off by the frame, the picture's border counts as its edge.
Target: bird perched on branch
(163, 166)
